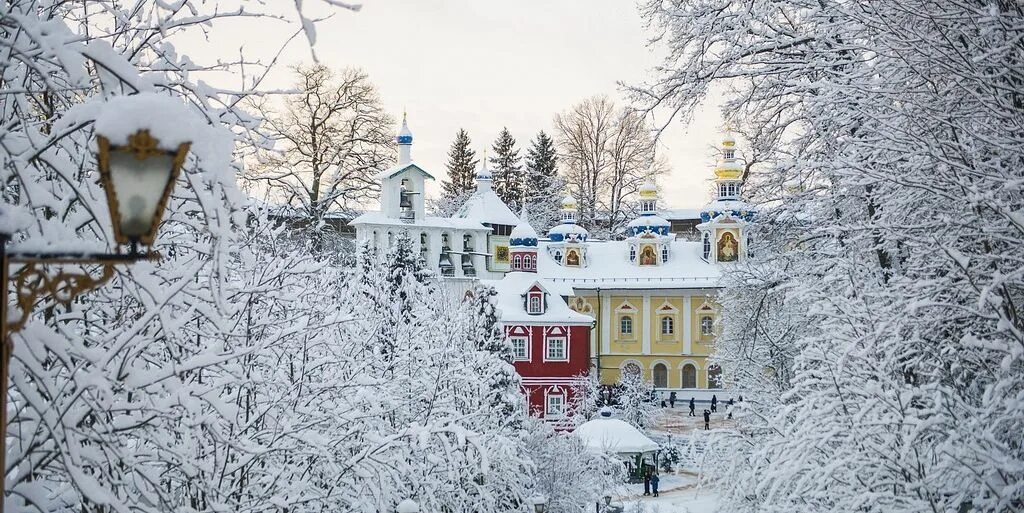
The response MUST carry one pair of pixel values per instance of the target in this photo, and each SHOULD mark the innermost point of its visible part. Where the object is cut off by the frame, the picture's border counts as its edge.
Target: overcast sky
(485, 64)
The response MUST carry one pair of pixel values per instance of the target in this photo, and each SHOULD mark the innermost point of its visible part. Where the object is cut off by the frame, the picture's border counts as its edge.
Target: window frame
(560, 412)
(623, 320)
(530, 298)
(547, 348)
(526, 348)
(707, 246)
(671, 325)
(710, 325)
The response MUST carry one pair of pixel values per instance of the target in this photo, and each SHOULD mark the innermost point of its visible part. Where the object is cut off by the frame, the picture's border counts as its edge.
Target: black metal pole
(5, 364)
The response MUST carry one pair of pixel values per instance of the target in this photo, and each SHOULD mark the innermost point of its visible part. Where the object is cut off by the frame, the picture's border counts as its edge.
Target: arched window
(558, 257)
(689, 376)
(632, 253)
(667, 325)
(730, 153)
(714, 377)
(527, 262)
(424, 242)
(707, 246)
(660, 375)
(750, 246)
(626, 325)
(517, 262)
(664, 254)
(707, 325)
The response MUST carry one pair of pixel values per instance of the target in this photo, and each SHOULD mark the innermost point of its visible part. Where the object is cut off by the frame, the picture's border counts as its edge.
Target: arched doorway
(689, 376)
(660, 375)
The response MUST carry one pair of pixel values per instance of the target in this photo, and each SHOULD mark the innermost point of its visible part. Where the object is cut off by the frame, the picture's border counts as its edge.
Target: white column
(456, 245)
(687, 326)
(646, 345)
(606, 321)
(434, 253)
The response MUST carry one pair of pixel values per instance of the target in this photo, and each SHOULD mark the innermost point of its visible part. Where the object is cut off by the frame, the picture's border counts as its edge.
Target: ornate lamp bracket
(33, 282)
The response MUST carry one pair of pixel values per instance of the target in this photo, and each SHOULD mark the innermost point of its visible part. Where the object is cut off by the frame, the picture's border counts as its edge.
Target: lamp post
(540, 503)
(138, 178)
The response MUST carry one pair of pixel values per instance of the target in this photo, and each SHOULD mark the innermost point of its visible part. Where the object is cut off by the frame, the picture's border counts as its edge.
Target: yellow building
(652, 296)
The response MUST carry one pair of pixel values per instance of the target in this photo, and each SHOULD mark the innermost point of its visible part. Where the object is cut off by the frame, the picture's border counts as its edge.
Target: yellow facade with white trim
(660, 331)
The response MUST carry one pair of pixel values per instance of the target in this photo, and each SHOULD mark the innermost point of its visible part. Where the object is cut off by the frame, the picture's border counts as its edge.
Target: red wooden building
(550, 342)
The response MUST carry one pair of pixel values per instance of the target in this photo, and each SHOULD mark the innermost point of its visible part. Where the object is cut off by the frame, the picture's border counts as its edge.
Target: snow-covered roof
(678, 214)
(394, 170)
(648, 221)
(378, 217)
(614, 436)
(608, 266)
(511, 307)
(567, 228)
(484, 206)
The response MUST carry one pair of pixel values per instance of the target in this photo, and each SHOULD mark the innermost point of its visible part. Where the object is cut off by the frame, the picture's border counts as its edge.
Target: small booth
(614, 436)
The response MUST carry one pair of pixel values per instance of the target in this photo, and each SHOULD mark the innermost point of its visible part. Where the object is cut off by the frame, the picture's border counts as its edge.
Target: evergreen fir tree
(544, 188)
(508, 170)
(461, 166)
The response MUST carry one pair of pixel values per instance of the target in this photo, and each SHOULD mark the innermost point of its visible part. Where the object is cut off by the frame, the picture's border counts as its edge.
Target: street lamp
(540, 503)
(138, 178)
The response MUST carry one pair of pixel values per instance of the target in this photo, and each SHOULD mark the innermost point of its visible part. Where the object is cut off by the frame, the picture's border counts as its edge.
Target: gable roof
(394, 170)
(484, 206)
(510, 305)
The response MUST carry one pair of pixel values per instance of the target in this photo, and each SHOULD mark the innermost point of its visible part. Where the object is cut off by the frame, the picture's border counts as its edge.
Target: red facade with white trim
(549, 358)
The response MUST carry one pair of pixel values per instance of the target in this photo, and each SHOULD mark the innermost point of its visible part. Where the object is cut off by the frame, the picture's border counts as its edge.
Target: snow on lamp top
(408, 506)
(167, 119)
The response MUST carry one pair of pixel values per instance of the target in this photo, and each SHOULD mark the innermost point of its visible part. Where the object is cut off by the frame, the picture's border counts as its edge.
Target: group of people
(651, 481)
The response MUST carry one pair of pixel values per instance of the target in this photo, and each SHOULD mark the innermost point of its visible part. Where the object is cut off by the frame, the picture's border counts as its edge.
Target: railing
(632, 280)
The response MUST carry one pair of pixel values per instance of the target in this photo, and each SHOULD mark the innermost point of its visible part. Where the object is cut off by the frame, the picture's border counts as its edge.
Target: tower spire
(404, 140)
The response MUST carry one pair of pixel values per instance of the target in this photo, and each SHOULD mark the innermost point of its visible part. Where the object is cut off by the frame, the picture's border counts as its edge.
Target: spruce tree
(461, 166)
(544, 188)
(508, 170)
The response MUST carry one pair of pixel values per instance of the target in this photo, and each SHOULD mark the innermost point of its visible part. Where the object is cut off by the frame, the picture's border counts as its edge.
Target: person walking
(693, 405)
(714, 403)
(672, 400)
(654, 484)
(707, 421)
(647, 482)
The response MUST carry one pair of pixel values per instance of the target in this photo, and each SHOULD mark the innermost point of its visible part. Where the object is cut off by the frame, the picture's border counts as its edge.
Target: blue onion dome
(404, 135)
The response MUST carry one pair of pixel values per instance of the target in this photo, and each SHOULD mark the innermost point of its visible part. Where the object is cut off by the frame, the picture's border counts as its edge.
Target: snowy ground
(679, 494)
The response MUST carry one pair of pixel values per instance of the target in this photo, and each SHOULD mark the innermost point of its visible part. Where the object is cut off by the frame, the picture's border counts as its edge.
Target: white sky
(485, 64)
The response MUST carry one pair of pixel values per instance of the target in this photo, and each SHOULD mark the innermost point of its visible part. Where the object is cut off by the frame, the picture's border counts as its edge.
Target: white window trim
(530, 296)
(547, 405)
(661, 325)
(547, 350)
(526, 347)
(700, 321)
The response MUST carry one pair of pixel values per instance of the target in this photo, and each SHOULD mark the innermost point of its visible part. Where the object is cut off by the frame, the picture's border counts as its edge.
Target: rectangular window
(520, 351)
(535, 304)
(556, 350)
(555, 405)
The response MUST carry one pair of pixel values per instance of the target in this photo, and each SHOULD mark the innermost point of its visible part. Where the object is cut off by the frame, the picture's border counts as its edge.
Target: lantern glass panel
(139, 185)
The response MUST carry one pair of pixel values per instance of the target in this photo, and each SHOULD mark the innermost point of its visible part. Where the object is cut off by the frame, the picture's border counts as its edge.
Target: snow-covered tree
(606, 154)
(461, 180)
(634, 400)
(330, 139)
(883, 330)
(544, 189)
(507, 169)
